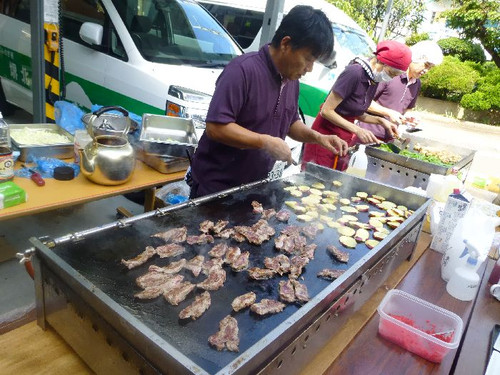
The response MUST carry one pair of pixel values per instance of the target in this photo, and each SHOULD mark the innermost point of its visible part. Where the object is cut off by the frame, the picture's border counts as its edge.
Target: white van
(148, 56)
(243, 19)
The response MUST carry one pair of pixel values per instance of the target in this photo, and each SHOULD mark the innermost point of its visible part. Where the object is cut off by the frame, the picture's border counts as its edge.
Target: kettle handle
(102, 110)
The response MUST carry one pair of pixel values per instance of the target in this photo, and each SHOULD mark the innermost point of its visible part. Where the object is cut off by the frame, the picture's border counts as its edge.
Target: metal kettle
(108, 160)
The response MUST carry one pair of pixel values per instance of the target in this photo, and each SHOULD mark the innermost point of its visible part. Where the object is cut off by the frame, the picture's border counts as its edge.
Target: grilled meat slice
(298, 263)
(258, 233)
(170, 250)
(290, 244)
(195, 264)
(225, 233)
(237, 236)
(176, 235)
(176, 295)
(206, 226)
(330, 274)
(197, 308)
(291, 230)
(257, 273)
(200, 240)
(269, 213)
(310, 231)
(243, 301)
(212, 263)
(152, 291)
(227, 336)
(215, 279)
(283, 215)
(279, 264)
(172, 268)
(308, 251)
(232, 254)
(264, 229)
(301, 292)
(219, 226)
(139, 259)
(341, 256)
(267, 306)
(219, 250)
(257, 207)
(241, 262)
(286, 292)
(153, 278)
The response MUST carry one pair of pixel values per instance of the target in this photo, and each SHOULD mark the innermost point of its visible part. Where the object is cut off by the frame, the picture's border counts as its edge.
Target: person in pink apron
(350, 97)
(394, 98)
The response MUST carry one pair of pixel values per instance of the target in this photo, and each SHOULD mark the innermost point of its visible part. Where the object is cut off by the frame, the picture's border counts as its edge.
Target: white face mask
(381, 76)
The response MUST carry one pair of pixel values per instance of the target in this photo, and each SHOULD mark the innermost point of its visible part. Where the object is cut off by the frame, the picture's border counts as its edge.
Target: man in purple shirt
(255, 106)
(394, 98)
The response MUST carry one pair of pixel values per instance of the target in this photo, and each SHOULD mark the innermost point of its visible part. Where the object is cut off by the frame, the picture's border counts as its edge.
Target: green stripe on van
(15, 67)
(310, 99)
(106, 97)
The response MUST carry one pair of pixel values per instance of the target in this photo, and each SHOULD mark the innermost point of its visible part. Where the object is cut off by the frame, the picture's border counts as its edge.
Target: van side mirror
(91, 33)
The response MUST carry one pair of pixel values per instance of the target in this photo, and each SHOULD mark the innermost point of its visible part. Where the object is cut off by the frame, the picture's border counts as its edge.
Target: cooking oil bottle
(358, 163)
(6, 159)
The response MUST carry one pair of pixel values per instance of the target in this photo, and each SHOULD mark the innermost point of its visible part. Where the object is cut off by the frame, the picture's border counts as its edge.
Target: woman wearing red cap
(350, 97)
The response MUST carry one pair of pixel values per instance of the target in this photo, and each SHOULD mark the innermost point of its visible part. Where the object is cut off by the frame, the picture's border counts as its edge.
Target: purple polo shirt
(356, 90)
(249, 92)
(396, 95)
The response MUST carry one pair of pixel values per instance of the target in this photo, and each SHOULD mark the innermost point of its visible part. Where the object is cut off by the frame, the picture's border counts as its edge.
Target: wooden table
(356, 349)
(58, 194)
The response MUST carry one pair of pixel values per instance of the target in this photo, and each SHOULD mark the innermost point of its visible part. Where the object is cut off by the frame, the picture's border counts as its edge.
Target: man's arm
(234, 135)
(302, 133)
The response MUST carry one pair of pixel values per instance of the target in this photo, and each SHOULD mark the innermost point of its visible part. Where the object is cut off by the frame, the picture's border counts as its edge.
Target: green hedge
(415, 38)
(450, 80)
(463, 49)
(475, 86)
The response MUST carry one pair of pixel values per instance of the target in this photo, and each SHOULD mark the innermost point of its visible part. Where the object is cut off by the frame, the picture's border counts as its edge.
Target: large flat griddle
(87, 265)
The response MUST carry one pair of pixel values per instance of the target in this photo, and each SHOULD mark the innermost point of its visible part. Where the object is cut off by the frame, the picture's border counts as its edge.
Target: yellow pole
(51, 52)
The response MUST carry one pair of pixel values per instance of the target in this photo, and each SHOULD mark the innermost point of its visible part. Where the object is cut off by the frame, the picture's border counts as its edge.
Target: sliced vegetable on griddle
(348, 241)
(371, 243)
(346, 231)
(349, 209)
(361, 235)
(379, 235)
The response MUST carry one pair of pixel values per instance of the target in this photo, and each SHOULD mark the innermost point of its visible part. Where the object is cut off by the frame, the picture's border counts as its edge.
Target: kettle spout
(86, 162)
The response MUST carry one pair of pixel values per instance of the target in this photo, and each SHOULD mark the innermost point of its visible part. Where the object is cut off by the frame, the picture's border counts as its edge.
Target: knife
(35, 176)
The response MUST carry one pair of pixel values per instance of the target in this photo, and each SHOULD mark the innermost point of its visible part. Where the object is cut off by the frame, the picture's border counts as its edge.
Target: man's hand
(333, 143)
(277, 148)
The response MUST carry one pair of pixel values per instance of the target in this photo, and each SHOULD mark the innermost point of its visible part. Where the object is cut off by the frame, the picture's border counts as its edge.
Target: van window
(355, 42)
(242, 24)
(176, 32)
(19, 9)
(76, 12)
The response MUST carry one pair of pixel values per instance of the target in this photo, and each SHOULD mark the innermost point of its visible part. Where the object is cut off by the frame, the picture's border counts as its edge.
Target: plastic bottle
(358, 163)
(6, 159)
(464, 282)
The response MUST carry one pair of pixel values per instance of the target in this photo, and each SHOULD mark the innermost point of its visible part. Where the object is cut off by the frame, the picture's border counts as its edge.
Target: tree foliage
(414, 38)
(463, 49)
(477, 19)
(405, 16)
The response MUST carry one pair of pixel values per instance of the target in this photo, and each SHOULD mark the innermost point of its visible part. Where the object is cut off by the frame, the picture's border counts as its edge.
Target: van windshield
(352, 41)
(176, 32)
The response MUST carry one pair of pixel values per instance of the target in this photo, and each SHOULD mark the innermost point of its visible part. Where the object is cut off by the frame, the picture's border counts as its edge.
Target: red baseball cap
(395, 54)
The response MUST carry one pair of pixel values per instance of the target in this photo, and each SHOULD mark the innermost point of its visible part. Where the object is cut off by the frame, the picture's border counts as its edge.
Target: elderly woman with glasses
(393, 99)
(350, 97)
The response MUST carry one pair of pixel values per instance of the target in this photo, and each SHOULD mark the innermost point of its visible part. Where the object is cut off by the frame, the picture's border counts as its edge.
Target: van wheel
(6, 108)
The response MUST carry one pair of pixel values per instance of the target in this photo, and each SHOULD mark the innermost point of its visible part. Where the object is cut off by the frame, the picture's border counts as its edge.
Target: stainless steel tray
(401, 171)
(163, 163)
(56, 150)
(167, 135)
(79, 282)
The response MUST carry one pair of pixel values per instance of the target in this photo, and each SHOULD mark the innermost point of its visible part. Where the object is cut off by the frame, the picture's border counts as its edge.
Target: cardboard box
(11, 194)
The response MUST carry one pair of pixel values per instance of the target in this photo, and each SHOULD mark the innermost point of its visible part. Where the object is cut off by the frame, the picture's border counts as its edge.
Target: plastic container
(464, 281)
(358, 163)
(418, 326)
(6, 158)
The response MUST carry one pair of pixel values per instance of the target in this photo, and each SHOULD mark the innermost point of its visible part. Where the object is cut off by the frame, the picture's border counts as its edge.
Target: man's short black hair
(307, 27)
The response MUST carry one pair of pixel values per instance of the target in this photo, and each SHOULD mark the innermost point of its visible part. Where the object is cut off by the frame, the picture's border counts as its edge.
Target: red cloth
(395, 54)
(316, 154)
